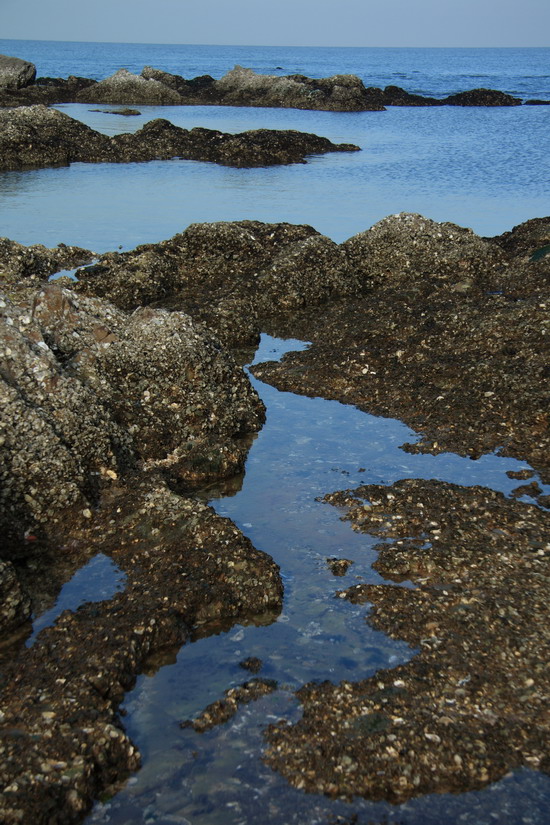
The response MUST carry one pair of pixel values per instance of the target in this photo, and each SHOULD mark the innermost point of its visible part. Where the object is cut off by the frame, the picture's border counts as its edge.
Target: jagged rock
(345, 93)
(126, 88)
(38, 136)
(88, 393)
(526, 238)
(199, 89)
(46, 90)
(15, 73)
(227, 275)
(159, 139)
(482, 97)
(20, 264)
(411, 250)
(240, 87)
(62, 740)
(15, 605)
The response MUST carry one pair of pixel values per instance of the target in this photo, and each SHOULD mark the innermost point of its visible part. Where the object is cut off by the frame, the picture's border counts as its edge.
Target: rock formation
(15, 73)
(238, 87)
(33, 136)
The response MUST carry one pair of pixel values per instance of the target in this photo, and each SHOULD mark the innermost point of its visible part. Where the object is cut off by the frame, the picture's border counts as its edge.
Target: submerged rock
(62, 740)
(37, 136)
(225, 709)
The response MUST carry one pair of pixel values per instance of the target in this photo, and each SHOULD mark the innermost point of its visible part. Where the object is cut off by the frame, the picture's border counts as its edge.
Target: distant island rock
(238, 87)
(35, 136)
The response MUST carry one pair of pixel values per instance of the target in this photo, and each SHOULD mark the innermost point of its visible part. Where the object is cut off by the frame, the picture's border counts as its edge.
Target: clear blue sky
(283, 22)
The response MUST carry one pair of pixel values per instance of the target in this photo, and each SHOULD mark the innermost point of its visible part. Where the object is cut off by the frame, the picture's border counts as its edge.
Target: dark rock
(481, 97)
(396, 96)
(199, 90)
(159, 139)
(339, 567)
(185, 567)
(253, 664)
(223, 710)
(46, 90)
(424, 254)
(89, 394)
(15, 605)
(536, 103)
(449, 336)
(470, 704)
(15, 73)
(239, 87)
(38, 136)
(124, 112)
(228, 275)
(525, 239)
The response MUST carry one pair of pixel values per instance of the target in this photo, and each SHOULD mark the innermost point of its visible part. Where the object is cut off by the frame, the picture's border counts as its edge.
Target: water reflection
(307, 448)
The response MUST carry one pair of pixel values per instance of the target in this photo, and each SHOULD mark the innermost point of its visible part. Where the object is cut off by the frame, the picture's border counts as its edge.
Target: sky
(282, 22)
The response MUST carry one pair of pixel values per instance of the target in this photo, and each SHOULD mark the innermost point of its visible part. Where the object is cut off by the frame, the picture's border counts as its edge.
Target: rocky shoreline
(35, 136)
(238, 87)
(121, 398)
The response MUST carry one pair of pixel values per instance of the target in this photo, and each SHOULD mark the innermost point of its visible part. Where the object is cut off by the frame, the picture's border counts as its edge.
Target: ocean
(484, 168)
(479, 167)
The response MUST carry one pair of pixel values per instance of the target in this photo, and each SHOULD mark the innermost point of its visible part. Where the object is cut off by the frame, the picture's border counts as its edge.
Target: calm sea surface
(483, 168)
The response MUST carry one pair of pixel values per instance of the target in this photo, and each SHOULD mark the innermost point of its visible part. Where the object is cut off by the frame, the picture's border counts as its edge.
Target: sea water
(486, 168)
(480, 167)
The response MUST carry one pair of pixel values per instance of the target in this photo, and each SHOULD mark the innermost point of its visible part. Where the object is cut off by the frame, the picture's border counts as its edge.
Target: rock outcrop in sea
(32, 136)
(238, 87)
(15, 73)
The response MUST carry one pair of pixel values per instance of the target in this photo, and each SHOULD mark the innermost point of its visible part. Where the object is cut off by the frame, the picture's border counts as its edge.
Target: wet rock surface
(23, 268)
(112, 404)
(102, 413)
(472, 702)
(450, 336)
(61, 741)
(225, 709)
(32, 136)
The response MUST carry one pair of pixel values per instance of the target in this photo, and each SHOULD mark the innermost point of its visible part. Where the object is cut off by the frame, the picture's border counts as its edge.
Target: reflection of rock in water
(100, 410)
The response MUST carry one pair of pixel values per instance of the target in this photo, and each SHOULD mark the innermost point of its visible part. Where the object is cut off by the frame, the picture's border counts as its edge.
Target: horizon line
(261, 45)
